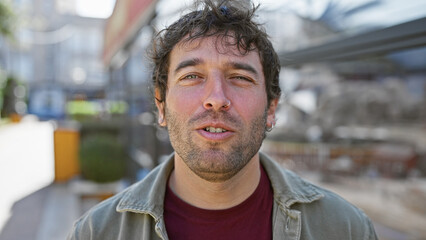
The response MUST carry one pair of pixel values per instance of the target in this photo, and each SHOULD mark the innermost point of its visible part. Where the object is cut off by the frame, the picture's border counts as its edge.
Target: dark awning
(403, 36)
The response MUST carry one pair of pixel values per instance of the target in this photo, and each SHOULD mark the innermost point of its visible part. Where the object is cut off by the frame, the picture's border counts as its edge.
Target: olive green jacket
(301, 210)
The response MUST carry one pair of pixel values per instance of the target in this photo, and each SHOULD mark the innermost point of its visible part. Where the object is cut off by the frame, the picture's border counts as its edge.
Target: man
(217, 90)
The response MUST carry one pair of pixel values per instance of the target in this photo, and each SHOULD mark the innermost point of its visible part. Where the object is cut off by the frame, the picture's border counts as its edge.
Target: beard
(216, 161)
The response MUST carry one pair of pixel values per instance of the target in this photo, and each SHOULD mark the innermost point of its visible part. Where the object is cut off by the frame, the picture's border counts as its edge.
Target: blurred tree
(7, 20)
(9, 98)
(102, 158)
(7, 26)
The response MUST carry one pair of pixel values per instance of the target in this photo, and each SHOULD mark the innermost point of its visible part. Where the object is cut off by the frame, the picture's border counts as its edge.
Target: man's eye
(242, 78)
(190, 79)
(191, 76)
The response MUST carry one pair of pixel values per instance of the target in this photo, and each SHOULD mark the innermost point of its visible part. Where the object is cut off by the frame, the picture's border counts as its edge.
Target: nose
(216, 98)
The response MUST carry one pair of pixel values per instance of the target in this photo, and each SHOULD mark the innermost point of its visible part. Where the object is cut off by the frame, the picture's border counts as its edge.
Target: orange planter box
(15, 118)
(66, 142)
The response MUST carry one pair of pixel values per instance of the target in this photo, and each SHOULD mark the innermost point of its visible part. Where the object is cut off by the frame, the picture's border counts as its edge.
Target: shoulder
(125, 214)
(98, 218)
(324, 214)
(334, 216)
(334, 207)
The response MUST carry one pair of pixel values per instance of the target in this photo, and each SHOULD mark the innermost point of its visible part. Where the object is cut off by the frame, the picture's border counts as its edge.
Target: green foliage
(7, 20)
(8, 97)
(102, 158)
(2, 88)
(82, 110)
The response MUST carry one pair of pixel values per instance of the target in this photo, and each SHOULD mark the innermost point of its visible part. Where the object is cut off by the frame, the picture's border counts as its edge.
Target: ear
(160, 108)
(271, 121)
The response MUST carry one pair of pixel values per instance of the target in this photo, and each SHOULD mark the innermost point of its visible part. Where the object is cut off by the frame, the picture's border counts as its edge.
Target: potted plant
(102, 158)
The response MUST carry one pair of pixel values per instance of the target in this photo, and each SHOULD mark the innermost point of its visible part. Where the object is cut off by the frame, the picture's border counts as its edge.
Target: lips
(215, 127)
(215, 131)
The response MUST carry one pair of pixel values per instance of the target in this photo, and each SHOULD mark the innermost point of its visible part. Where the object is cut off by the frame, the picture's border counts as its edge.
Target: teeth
(215, 130)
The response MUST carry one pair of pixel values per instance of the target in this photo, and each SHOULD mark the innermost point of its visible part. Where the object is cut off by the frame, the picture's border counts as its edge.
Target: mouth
(214, 130)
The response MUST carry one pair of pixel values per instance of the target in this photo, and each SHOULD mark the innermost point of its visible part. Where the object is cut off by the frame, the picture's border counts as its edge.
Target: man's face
(216, 107)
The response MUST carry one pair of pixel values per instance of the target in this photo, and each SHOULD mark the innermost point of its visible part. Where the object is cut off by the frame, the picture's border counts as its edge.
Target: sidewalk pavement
(31, 205)
(47, 214)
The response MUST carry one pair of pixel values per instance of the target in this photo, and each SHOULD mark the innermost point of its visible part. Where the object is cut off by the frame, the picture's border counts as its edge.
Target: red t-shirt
(251, 219)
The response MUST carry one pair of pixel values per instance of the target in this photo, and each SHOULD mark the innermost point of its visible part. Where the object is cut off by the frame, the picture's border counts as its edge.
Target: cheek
(253, 98)
(182, 101)
(250, 105)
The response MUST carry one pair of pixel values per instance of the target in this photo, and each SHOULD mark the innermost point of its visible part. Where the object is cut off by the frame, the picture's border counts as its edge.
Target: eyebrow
(188, 63)
(235, 65)
(243, 66)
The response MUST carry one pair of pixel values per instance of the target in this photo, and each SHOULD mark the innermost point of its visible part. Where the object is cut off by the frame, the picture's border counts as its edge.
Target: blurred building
(57, 54)
(355, 88)
(128, 36)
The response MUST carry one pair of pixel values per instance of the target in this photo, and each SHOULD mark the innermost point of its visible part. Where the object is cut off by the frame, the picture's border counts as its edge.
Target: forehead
(214, 48)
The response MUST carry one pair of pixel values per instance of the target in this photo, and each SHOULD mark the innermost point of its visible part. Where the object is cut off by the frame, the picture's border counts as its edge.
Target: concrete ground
(31, 205)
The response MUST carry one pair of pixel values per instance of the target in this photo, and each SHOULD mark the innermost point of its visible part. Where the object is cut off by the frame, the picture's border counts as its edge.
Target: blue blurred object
(47, 103)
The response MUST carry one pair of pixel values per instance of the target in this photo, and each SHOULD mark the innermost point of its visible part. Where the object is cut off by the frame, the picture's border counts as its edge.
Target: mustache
(221, 116)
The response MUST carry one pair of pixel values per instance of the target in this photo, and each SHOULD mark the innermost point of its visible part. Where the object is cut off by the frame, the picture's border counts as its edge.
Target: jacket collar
(147, 196)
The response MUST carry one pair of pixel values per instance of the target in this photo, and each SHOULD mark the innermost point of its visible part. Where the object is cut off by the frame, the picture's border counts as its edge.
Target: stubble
(216, 161)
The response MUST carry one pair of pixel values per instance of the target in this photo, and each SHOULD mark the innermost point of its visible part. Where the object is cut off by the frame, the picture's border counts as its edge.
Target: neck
(214, 195)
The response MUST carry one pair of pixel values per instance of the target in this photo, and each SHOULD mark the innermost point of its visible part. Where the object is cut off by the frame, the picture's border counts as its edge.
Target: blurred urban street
(78, 123)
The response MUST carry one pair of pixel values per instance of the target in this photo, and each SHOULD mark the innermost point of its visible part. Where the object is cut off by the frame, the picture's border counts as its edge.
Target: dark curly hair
(224, 19)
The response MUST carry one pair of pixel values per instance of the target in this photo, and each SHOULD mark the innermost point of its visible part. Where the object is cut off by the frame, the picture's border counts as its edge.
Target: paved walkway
(31, 206)
(26, 161)
(46, 214)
